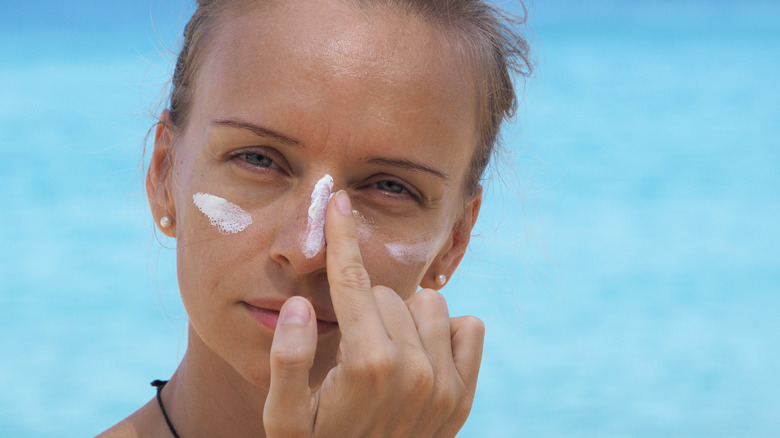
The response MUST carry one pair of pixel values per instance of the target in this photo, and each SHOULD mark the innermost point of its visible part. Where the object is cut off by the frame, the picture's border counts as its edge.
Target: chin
(256, 368)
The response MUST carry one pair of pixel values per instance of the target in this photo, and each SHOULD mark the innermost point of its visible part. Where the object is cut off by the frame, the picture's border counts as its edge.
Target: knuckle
(352, 275)
(379, 289)
(474, 325)
(462, 408)
(383, 293)
(429, 300)
(274, 429)
(419, 378)
(290, 356)
(430, 294)
(376, 366)
(380, 362)
(446, 400)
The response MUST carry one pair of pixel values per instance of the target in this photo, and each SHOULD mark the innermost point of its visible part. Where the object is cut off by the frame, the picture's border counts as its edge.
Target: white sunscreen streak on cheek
(405, 252)
(314, 239)
(408, 253)
(227, 217)
(365, 227)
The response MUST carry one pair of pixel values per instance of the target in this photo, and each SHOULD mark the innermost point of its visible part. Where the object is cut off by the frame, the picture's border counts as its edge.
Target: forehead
(328, 59)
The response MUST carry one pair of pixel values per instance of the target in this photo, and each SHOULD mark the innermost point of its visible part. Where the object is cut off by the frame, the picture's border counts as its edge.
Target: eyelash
(246, 158)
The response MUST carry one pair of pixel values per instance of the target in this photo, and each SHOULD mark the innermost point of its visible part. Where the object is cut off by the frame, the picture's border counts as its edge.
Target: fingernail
(295, 312)
(343, 203)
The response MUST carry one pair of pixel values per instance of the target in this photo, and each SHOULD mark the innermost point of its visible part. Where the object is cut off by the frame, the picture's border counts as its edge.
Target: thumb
(289, 408)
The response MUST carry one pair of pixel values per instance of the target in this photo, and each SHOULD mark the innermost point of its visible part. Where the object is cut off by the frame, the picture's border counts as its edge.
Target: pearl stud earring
(441, 279)
(165, 222)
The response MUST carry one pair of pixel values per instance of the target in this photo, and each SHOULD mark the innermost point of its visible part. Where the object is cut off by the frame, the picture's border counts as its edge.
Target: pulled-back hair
(488, 39)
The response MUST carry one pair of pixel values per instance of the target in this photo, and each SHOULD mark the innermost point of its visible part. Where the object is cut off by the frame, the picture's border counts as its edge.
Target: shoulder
(123, 429)
(146, 421)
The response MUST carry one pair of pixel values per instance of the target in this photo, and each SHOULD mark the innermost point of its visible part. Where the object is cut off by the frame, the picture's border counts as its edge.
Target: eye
(260, 162)
(257, 159)
(391, 187)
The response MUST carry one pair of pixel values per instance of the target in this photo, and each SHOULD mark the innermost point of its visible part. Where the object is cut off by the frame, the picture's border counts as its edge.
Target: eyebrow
(270, 133)
(407, 164)
(257, 130)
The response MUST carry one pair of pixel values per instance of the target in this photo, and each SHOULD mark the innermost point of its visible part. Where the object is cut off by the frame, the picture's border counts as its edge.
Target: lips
(267, 314)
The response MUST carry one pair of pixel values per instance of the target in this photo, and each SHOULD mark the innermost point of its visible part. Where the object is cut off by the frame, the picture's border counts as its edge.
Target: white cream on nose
(314, 236)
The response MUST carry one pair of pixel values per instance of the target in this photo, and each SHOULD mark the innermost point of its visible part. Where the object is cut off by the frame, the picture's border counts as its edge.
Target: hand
(406, 369)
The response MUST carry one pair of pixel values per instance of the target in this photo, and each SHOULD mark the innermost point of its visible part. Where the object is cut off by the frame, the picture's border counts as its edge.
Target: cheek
(213, 227)
(411, 252)
(216, 246)
(398, 263)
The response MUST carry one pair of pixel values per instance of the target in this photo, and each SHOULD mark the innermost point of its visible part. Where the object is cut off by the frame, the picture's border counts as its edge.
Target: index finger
(350, 286)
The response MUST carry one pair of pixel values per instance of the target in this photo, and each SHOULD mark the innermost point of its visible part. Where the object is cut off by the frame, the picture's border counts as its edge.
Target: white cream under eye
(227, 217)
(409, 252)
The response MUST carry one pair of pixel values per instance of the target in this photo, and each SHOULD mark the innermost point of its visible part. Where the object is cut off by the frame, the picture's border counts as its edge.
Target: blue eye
(258, 160)
(398, 191)
(390, 187)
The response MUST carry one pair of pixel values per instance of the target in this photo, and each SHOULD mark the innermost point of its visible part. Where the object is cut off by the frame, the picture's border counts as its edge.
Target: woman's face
(284, 95)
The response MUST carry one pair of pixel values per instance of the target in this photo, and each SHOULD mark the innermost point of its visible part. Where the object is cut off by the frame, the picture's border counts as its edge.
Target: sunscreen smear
(314, 238)
(227, 217)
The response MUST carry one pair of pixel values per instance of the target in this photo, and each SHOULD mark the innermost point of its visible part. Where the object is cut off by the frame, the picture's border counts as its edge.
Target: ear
(451, 255)
(159, 176)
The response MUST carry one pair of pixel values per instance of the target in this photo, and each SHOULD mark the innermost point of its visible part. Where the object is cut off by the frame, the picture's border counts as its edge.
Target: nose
(296, 243)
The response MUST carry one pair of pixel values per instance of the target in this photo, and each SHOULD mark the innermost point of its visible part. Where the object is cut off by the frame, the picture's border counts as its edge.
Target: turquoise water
(627, 262)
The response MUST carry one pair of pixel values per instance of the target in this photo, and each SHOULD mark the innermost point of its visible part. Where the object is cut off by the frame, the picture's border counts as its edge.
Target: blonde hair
(490, 38)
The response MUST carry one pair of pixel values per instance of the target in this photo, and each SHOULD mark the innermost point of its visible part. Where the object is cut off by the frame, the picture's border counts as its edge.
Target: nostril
(281, 259)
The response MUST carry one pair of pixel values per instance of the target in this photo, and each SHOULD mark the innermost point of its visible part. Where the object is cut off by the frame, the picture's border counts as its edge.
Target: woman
(304, 314)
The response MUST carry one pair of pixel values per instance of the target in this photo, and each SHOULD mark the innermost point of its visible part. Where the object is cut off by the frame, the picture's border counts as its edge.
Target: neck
(206, 397)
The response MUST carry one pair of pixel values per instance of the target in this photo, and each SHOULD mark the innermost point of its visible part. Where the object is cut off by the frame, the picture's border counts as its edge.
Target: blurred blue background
(626, 263)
